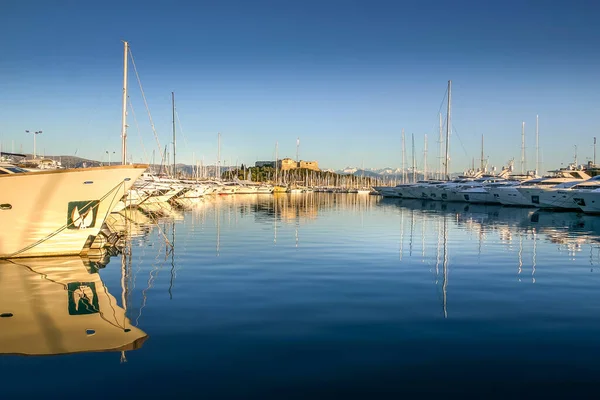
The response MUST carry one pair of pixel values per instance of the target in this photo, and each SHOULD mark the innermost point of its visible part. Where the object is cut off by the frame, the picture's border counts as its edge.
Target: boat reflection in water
(59, 305)
(563, 227)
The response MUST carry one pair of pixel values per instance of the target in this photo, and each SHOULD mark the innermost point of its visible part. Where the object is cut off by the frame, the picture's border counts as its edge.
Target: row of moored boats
(566, 188)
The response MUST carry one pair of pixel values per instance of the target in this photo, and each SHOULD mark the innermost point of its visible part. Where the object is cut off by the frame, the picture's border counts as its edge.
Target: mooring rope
(62, 228)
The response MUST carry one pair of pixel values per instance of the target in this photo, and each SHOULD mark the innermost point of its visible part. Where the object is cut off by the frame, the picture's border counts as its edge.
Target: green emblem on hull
(82, 214)
(83, 298)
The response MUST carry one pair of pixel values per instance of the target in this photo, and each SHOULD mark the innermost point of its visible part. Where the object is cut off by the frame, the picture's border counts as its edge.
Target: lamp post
(34, 135)
(108, 152)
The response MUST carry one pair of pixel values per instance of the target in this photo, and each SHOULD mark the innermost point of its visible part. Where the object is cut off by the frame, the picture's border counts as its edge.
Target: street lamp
(34, 135)
(108, 152)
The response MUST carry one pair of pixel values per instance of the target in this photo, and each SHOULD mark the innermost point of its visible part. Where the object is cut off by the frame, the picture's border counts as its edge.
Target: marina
(299, 200)
(341, 283)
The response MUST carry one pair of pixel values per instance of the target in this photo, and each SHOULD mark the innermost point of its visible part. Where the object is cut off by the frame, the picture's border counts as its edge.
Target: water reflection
(59, 305)
(569, 228)
(340, 283)
(434, 235)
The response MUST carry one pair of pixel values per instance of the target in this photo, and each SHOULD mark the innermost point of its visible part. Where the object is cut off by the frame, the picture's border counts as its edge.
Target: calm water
(324, 295)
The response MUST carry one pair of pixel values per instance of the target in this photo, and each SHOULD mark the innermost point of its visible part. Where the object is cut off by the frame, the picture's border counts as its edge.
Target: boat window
(15, 170)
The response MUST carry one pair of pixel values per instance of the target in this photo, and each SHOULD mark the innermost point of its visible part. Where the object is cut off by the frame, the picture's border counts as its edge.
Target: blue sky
(344, 76)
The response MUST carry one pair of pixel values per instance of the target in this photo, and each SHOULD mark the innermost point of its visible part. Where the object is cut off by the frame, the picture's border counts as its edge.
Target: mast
(174, 142)
(440, 168)
(414, 167)
(403, 156)
(537, 146)
(482, 166)
(276, 145)
(594, 150)
(448, 127)
(219, 155)
(523, 148)
(124, 111)
(425, 159)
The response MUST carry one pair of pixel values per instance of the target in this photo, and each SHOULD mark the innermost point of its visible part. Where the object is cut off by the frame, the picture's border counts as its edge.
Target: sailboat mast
(174, 142)
(523, 148)
(403, 158)
(219, 155)
(414, 166)
(124, 111)
(537, 145)
(482, 165)
(425, 159)
(448, 128)
(440, 148)
(276, 162)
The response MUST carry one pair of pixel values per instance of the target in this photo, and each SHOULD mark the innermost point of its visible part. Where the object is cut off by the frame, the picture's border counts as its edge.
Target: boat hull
(59, 212)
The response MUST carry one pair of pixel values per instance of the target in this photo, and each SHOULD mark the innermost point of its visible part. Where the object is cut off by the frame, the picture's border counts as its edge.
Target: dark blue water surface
(331, 295)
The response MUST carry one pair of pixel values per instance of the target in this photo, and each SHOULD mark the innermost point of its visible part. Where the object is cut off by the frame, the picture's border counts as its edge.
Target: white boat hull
(56, 212)
(479, 197)
(510, 196)
(558, 199)
(588, 202)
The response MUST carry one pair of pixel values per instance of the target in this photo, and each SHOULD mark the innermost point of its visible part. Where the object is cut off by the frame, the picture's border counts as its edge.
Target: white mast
(523, 148)
(425, 159)
(440, 167)
(414, 166)
(537, 145)
(124, 111)
(219, 155)
(174, 142)
(482, 160)
(276, 146)
(403, 158)
(448, 128)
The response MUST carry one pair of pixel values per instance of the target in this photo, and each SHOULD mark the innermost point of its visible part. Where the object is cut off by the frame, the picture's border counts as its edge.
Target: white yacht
(420, 189)
(385, 191)
(561, 196)
(588, 201)
(64, 213)
(483, 194)
(531, 193)
(509, 195)
(441, 192)
(403, 190)
(453, 191)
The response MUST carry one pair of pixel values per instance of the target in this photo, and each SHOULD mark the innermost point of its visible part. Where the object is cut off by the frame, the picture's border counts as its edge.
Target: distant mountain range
(372, 172)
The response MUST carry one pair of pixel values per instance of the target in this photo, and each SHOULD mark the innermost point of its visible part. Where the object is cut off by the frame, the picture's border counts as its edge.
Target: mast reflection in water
(319, 294)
